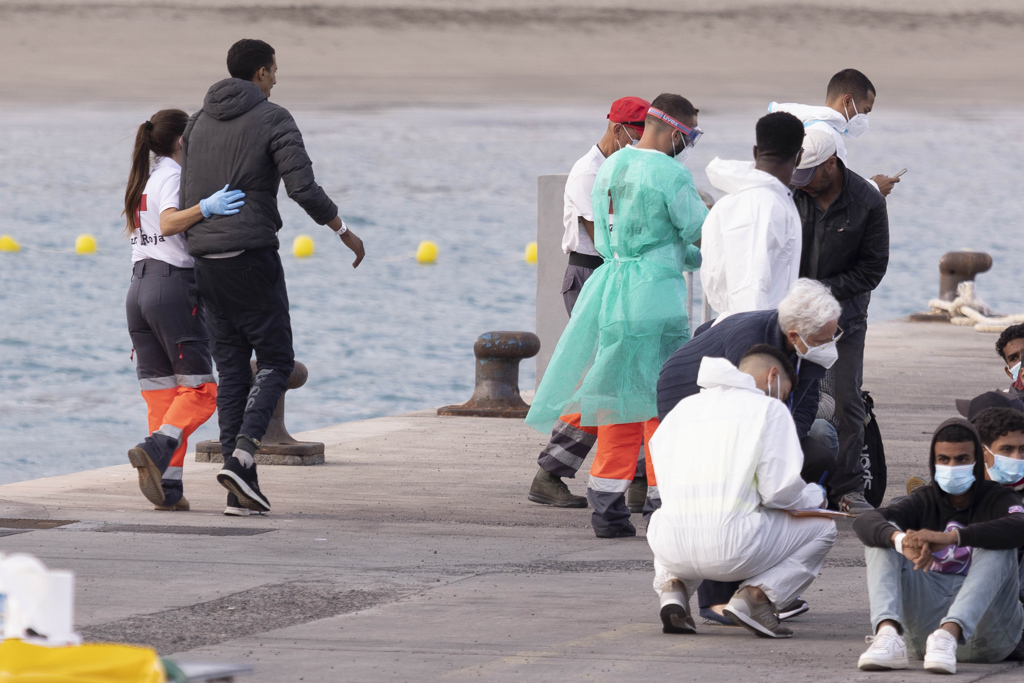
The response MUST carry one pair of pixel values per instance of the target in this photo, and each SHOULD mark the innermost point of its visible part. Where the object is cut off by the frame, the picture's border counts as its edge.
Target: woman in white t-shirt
(165, 317)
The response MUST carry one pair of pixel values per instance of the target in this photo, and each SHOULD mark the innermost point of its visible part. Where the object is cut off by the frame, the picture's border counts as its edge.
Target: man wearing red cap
(570, 443)
(631, 315)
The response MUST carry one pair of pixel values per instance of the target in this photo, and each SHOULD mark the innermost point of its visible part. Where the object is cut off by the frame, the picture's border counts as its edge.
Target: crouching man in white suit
(727, 462)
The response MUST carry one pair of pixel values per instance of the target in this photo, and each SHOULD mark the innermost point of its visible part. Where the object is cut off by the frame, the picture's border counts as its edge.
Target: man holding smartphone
(849, 99)
(845, 247)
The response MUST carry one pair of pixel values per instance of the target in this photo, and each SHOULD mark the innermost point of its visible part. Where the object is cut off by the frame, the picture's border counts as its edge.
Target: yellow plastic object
(426, 252)
(85, 244)
(8, 244)
(24, 663)
(302, 247)
(531, 253)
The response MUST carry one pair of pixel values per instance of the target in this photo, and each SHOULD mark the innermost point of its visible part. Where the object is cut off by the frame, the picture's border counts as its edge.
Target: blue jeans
(984, 603)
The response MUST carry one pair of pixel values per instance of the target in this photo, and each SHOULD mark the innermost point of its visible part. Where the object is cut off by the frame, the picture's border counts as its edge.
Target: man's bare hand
(352, 241)
(885, 183)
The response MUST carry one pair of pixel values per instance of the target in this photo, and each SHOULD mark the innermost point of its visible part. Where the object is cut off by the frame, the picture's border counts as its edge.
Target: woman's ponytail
(156, 136)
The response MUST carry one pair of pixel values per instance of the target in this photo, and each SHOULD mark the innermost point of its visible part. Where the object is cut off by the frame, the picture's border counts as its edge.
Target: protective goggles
(692, 135)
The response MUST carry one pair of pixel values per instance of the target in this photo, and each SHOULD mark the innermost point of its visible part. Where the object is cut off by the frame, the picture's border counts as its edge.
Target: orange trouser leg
(649, 428)
(574, 419)
(157, 403)
(611, 474)
(191, 407)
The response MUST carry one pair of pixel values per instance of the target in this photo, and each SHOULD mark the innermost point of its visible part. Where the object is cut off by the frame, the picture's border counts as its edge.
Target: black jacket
(993, 520)
(241, 139)
(847, 248)
(730, 339)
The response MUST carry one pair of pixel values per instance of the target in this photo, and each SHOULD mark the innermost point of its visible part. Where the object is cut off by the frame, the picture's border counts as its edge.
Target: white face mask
(778, 388)
(682, 155)
(858, 125)
(1015, 372)
(628, 135)
(825, 355)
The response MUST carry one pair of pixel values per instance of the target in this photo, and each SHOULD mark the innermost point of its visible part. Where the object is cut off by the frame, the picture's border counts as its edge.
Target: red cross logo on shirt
(138, 212)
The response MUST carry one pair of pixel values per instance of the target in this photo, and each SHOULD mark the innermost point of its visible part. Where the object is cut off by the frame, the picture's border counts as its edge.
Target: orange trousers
(185, 408)
(615, 462)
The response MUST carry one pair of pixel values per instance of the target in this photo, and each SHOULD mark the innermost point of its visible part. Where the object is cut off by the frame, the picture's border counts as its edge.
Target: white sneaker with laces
(887, 651)
(940, 653)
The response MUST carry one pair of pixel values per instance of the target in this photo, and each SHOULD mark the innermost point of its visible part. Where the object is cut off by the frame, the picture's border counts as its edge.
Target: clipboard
(818, 512)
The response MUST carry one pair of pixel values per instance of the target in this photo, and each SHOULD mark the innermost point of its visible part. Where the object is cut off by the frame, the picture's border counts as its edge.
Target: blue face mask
(1005, 470)
(954, 479)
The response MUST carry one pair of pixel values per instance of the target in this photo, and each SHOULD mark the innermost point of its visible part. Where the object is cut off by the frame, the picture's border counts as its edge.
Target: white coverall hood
(717, 373)
(752, 240)
(733, 177)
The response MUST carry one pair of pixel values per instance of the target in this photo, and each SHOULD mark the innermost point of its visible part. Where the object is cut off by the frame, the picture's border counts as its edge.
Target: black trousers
(246, 311)
(849, 373)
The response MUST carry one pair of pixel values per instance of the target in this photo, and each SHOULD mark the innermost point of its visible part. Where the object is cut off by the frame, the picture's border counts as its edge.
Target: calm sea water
(394, 336)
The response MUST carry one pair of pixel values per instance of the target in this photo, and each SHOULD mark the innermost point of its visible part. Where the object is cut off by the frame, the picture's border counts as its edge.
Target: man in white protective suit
(752, 238)
(849, 99)
(727, 462)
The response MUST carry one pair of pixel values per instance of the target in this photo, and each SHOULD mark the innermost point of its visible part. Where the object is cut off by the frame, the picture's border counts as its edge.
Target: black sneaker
(242, 482)
(234, 508)
(793, 608)
(624, 531)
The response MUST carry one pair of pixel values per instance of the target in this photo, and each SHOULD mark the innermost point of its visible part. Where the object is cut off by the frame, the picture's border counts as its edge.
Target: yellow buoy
(8, 244)
(426, 252)
(85, 244)
(302, 247)
(531, 253)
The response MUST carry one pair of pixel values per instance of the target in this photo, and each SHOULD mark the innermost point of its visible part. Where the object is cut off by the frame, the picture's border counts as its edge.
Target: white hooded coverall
(752, 240)
(824, 118)
(727, 462)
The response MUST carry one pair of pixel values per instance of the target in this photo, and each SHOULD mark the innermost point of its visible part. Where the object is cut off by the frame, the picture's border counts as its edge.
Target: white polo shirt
(161, 193)
(578, 187)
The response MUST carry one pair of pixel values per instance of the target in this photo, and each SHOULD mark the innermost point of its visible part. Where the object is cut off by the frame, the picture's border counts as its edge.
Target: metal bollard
(277, 447)
(958, 266)
(497, 376)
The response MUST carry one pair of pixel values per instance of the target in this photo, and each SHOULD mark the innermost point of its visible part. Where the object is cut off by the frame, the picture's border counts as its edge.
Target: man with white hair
(805, 328)
(845, 247)
(727, 462)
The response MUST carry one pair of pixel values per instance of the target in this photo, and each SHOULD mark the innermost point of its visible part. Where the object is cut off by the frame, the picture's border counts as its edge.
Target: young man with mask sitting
(942, 564)
(1002, 437)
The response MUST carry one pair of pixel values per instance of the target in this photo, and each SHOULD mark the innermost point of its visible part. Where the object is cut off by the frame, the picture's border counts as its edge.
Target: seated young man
(727, 463)
(942, 564)
(1002, 437)
(1010, 347)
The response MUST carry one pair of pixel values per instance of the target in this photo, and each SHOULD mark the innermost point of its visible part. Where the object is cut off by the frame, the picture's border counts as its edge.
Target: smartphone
(900, 173)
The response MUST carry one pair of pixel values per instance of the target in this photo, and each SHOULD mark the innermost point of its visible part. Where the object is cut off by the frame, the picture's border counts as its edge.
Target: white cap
(818, 147)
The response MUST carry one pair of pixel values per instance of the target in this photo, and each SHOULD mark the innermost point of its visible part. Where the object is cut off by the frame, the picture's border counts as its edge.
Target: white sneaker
(940, 653)
(888, 651)
(232, 511)
(675, 609)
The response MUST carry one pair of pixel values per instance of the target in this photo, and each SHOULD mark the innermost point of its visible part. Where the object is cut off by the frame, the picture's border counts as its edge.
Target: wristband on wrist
(898, 542)
(342, 230)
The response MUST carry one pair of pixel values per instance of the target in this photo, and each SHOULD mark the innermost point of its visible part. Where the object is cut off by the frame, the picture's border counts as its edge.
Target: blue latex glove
(222, 202)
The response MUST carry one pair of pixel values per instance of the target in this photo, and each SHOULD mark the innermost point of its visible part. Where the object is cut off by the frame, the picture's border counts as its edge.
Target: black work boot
(547, 489)
(636, 494)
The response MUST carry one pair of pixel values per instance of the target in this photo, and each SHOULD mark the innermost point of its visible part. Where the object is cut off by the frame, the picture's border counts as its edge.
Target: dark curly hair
(1009, 334)
(993, 423)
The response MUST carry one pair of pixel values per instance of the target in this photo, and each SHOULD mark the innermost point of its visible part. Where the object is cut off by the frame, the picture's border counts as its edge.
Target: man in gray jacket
(240, 138)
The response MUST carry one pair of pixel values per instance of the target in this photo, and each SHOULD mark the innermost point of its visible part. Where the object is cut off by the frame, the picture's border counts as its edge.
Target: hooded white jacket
(720, 457)
(825, 118)
(752, 240)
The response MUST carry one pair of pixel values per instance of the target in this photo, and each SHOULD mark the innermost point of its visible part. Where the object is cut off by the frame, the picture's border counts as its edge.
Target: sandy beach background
(350, 54)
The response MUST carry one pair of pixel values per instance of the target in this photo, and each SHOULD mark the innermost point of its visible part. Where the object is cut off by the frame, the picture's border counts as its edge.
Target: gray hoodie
(241, 139)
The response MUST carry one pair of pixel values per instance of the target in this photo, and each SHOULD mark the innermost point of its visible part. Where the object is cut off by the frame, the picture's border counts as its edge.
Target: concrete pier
(413, 554)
